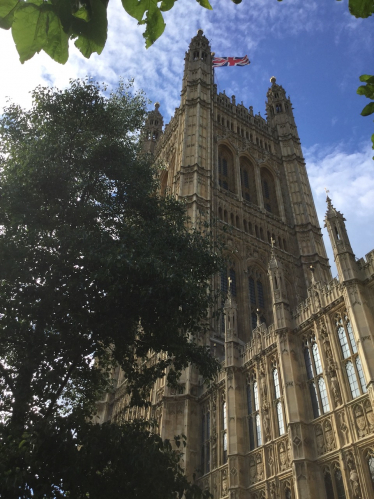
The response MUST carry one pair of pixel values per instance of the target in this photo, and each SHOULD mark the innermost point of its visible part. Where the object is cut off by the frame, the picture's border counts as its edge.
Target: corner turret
(152, 129)
(343, 254)
(279, 109)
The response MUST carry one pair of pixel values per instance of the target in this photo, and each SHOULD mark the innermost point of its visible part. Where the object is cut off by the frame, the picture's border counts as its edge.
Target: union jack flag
(230, 61)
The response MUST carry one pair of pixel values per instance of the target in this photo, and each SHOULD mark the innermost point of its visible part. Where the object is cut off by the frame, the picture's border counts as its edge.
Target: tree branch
(62, 386)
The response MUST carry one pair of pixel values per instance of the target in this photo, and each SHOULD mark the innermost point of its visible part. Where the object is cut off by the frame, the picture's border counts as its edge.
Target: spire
(343, 254)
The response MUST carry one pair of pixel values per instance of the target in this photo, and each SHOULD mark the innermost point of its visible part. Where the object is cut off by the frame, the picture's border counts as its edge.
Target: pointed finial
(328, 200)
(273, 80)
(258, 317)
(272, 242)
(200, 32)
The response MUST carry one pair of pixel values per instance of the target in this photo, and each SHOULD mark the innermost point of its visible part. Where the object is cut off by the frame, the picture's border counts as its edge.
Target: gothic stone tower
(291, 413)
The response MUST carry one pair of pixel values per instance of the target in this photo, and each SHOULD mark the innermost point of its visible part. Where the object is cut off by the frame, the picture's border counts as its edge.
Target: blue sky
(316, 50)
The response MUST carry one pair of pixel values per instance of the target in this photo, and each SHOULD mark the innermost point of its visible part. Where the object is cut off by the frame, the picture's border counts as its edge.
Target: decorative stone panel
(363, 418)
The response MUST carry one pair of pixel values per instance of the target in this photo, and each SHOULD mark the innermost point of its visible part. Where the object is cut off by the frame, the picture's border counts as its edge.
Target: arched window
(269, 191)
(317, 387)
(351, 359)
(278, 108)
(248, 181)
(278, 402)
(226, 176)
(339, 484)
(237, 222)
(196, 55)
(245, 224)
(333, 481)
(328, 483)
(220, 213)
(257, 295)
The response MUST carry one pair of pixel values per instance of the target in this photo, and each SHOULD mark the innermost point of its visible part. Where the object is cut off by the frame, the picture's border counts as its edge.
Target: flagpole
(212, 54)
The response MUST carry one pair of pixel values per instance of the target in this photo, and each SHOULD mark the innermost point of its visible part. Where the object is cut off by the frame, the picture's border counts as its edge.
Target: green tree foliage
(368, 91)
(94, 265)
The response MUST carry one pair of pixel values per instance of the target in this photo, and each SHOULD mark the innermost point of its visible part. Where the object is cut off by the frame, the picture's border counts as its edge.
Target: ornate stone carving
(270, 461)
(224, 484)
(353, 476)
(283, 456)
(325, 438)
(335, 388)
(363, 417)
(343, 428)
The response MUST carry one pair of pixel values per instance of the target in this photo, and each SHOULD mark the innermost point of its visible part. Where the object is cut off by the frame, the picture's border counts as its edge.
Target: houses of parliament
(291, 413)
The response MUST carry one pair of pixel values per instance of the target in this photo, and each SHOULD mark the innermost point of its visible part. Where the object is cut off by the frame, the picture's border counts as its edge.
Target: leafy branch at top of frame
(49, 24)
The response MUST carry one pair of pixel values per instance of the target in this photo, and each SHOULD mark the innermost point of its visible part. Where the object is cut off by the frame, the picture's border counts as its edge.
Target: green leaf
(155, 26)
(6, 6)
(361, 8)
(154, 21)
(37, 27)
(137, 8)
(367, 90)
(82, 13)
(367, 78)
(205, 3)
(369, 109)
(7, 10)
(92, 34)
(167, 5)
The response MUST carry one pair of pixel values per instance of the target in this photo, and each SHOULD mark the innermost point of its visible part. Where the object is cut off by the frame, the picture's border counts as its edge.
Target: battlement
(366, 264)
(319, 297)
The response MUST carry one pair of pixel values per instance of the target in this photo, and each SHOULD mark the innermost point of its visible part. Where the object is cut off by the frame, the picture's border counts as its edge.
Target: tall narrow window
(250, 418)
(339, 484)
(225, 169)
(278, 403)
(248, 181)
(334, 482)
(260, 294)
(205, 448)
(328, 484)
(351, 359)
(316, 382)
(269, 191)
(252, 293)
(256, 296)
(224, 434)
(254, 419)
(233, 282)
